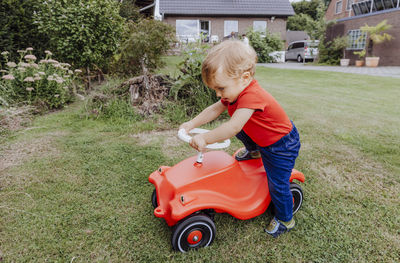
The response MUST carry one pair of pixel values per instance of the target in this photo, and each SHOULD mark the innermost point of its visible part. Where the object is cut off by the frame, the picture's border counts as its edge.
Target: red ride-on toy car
(188, 194)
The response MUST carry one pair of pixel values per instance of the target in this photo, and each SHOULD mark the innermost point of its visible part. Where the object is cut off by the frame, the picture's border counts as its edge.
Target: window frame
(353, 36)
(186, 37)
(262, 32)
(349, 4)
(226, 34)
(336, 7)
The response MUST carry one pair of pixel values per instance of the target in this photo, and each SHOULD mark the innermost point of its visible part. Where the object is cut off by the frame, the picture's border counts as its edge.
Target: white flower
(24, 64)
(37, 78)
(65, 87)
(29, 89)
(49, 78)
(21, 69)
(34, 65)
(43, 61)
(21, 51)
(8, 77)
(29, 79)
(60, 80)
(41, 73)
(78, 71)
(11, 64)
(52, 61)
(48, 52)
(29, 49)
(3, 71)
(30, 57)
(57, 95)
(4, 53)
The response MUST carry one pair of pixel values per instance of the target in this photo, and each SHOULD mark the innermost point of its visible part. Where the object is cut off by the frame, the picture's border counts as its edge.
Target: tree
(307, 7)
(300, 22)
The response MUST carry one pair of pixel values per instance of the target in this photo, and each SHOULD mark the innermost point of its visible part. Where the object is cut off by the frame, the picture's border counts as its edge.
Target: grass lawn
(76, 190)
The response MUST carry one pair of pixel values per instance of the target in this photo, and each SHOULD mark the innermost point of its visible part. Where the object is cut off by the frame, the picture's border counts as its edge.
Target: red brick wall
(278, 25)
(389, 52)
(331, 11)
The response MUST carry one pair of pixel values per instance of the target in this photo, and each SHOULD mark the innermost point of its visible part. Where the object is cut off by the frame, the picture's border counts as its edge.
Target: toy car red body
(188, 194)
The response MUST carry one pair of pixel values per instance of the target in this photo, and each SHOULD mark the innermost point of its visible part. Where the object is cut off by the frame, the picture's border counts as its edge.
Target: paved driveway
(378, 71)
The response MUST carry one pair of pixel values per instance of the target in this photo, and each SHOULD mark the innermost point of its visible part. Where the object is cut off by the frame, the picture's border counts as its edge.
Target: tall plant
(376, 35)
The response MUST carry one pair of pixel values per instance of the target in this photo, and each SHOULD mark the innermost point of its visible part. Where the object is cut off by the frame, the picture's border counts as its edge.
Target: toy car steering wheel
(186, 138)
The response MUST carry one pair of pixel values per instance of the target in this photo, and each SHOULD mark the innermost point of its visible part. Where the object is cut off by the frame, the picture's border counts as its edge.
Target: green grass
(75, 189)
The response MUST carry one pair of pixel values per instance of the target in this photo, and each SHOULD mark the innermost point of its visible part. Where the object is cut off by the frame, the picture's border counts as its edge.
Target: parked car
(303, 49)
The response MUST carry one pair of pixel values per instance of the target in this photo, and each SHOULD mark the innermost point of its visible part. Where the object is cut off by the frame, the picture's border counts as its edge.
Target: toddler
(256, 119)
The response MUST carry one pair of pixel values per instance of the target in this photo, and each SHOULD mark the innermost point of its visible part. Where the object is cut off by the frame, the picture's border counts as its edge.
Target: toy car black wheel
(297, 196)
(154, 199)
(193, 232)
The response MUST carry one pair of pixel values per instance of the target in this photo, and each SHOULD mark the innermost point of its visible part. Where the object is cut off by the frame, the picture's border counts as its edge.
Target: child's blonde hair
(233, 57)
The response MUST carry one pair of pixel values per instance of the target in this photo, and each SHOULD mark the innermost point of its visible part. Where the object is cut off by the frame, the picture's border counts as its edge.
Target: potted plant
(361, 55)
(340, 43)
(375, 35)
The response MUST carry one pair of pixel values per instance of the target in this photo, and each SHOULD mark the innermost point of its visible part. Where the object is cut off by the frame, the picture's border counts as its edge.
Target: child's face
(228, 88)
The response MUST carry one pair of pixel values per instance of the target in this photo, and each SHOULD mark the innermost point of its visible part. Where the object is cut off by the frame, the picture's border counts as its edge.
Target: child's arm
(208, 114)
(224, 131)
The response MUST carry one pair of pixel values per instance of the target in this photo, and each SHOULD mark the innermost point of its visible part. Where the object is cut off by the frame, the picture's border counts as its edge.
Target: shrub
(18, 30)
(189, 89)
(264, 45)
(83, 33)
(145, 43)
(48, 84)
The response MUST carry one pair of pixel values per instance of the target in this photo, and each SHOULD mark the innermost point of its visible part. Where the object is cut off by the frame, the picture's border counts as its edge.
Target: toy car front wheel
(193, 232)
(297, 194)
(154, 199)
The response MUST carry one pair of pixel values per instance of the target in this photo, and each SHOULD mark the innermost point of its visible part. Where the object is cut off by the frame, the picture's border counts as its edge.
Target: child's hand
(198, 142)
(187, 126)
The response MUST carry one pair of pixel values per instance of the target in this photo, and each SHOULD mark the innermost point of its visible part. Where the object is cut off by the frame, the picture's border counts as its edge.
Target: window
(349, 3)
(187, 30)
(356, 39)
(338, 7)
(260, 26)
(230, 26)
(298, 45)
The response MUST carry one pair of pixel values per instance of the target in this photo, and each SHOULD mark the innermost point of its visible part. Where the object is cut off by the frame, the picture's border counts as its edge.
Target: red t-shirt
(269, 122)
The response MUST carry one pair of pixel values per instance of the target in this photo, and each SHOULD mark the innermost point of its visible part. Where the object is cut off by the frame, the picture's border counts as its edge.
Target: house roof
(226, 7)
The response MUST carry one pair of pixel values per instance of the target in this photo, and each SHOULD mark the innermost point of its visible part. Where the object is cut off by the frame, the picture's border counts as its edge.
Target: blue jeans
(278, 159)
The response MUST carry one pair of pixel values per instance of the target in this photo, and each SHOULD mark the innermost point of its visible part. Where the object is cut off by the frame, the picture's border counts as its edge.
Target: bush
(48, 84)
(109, 103)
(145, 43)
(264, 45)
(189, 89)
(18, 30)
(83, 33)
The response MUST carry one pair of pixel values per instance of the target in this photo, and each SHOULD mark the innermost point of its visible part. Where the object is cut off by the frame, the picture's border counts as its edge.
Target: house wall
(389, 51)
(278, 25)
(330, 13)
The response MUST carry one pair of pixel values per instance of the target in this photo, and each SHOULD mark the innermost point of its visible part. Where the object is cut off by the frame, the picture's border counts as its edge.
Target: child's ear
(246, 75)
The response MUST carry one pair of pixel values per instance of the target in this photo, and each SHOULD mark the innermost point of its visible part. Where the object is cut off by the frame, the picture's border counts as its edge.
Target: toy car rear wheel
(154, 199)
(297, 194)
(193, 232)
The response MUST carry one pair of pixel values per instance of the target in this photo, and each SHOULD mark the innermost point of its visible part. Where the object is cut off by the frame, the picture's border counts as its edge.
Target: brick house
(350, 15)
(217, 19)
